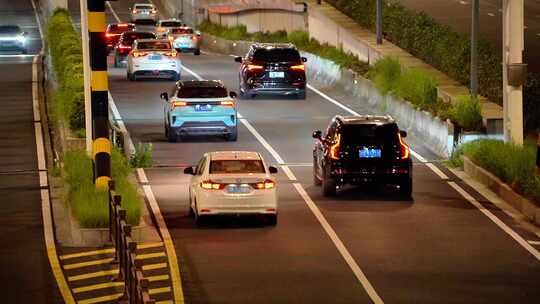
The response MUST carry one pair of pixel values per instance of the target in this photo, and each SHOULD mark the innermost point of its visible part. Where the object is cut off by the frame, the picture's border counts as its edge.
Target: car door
(245, 62)
(197, 177)
(322, 145)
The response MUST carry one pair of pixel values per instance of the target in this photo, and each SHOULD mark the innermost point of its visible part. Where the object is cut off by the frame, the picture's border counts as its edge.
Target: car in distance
(153, 58)
(113, 32)
(232, 183)
(125, 43)
(200, 107)
(163, 26)
(185, 39)
(145, 12)
(362, 150)
(13, 39)
(270, 68)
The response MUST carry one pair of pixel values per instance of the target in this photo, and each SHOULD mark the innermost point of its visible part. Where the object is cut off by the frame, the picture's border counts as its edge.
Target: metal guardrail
(125, 254)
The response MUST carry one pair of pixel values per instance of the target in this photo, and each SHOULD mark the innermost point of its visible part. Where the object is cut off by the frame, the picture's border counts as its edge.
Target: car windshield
(153, 45)
(276, 55)
(10, 29)
(143, 6)
(180, 31)
(236, 166)
(195, 92)
(130, 37)
(171, 23)
(120, 28)
(369, 133)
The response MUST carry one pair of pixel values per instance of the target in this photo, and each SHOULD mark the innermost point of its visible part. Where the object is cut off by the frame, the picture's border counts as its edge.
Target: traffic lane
(435, 247)
(244, 261)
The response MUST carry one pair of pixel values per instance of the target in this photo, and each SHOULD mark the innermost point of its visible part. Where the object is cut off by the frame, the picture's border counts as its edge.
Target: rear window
(236, 166)
(358, 134)
(120, 28)
(9, 29)
(171, 23)
(130, 37)
(181, 31)
(143, 6)
(276, 55)
(202, 93)
(153, 45)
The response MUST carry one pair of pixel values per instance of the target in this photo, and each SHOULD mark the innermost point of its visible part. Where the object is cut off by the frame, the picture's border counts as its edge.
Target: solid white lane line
(437, 171)
(37, 18)
(113, 12)
(332, 100)
(534, 242)
(314, 209)
(496, 220)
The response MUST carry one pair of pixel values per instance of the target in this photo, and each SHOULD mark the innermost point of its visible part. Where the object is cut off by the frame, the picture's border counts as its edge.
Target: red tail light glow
(178, 104)
(334, 149)
(299, 67)
(228, 103)
(194, 38)
(210, 185)
(171, 54)
(404, 148)
(154, 11)
(254, 67)
(122, 24)
(267, 184)
(139, 54)
(124, 47)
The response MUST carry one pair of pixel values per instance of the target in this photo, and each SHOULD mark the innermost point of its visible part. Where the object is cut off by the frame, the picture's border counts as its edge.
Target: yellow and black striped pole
(101, 147)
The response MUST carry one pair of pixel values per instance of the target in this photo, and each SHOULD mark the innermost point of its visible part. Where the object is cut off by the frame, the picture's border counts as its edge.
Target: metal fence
(125, 254)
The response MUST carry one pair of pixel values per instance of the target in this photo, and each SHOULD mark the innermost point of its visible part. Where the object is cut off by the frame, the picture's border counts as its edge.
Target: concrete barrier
(262, 20)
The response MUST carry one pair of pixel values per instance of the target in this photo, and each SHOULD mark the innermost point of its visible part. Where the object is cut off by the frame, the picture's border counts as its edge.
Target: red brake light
(228, 103)
(177, 104)
(267, 184)
(210, 185)
(108, 35)
(299, 67)
(334, 149)
(124, 47)
(194, 37)
(254, 67)
(139, 54)
(122, 25)
(171, 54)
(154, 11)
(135, 11)
(404, 148)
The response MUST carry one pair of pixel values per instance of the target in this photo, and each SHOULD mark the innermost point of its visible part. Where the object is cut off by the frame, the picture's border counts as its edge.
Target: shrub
(419, 87)
(386, 74)
(142, 158)
(466, 112)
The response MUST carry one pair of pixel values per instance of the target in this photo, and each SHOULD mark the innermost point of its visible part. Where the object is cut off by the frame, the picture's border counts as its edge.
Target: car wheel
(196, 217)
(316, 179)
(171, 136)
(405, 189)
(176, 77)
(272, 219)
(328, 185)
(191, 213)
(197, 52)
(233, 136)
(301, 95)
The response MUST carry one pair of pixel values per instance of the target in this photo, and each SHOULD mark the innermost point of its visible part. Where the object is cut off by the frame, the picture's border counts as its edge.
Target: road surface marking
(534, 242)
(98, 286)
(150, 255)
(154, 266)
(89, 263)
(164, 302)
(156, 278)
(92, 275)
(361, 277)
(101, 299)
(154, 291)
(149, 245)
(86, 253)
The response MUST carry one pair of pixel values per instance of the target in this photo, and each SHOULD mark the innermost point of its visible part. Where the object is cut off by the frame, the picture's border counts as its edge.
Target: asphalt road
(437, 248)
(457, 14)
(26, 275)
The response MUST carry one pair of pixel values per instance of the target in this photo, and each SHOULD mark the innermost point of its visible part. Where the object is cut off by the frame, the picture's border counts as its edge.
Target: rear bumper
(155, 73)
(203, 128)
(224, 204)
(276, 88)
(385, 175)
(139, 17)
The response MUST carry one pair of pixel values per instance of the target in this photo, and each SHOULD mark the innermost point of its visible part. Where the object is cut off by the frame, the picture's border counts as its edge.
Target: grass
(467, 113)
(142, 158)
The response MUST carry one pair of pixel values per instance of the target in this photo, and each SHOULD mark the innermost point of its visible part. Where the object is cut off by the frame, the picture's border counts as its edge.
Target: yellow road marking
(149, 245)
(93, 275)
(86, 253)
(159, 290)
(158, 278)
(165, 302)
(150, 255)
(101, 299)
(154, 266)
(176, 281)
(89, 263)
(98, 286)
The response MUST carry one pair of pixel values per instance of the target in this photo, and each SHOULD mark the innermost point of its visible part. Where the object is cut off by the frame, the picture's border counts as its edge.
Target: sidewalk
(327, 24)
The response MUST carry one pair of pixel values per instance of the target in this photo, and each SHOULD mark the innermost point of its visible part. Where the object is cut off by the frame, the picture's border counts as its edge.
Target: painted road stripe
(154, 266)
(92, 275)
(150, 255)
(89, 263)
(101, 299)
(534, 242)
(362, 279)
(154, 291)
(149, 245)
(86, 253)
(165, 302)
(98, 286)
(157, 278)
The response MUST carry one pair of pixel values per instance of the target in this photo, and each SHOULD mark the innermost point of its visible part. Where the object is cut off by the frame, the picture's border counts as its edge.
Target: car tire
(24, 51)
(233, 136)
(316, 180)
(171, 136)
(197, 219)
(328, 185)
(176, 77)
(272, 219)
(405, 188)
(197, 52)
(301, 95)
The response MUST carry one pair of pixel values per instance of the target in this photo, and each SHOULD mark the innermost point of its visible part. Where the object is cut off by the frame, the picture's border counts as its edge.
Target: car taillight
(122, 25)
(299, 67)
(334, 149)
(171, 54)
(171, 38)
(254, 67)
(194, 38)
(135, 11)
(154, 11)
(139, 54)
(124, 47)
(403, 148)
(267, 184)
(227, 103)
(178, 104)
(210, 185)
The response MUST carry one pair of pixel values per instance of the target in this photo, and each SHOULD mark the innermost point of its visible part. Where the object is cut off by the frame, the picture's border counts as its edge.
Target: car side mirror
(238, 59)
(272, 169)
(317, 134)
(304, 59)
(164, 96)
(403, 133)
(189, 171)
(25, 33)
(233, 94)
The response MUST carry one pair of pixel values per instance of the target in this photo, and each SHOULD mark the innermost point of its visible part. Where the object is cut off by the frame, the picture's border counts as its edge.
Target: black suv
(270, 68)
(359, 150)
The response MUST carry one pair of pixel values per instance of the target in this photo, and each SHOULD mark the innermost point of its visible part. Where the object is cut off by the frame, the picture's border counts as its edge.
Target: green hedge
(66, 56)
(466, 112)
(444, 49)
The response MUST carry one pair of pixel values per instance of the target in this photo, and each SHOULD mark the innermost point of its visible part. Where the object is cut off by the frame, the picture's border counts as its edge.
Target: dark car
(270, 68)
(113, 32)
(123, 47)
(12, 38)
(362, 150)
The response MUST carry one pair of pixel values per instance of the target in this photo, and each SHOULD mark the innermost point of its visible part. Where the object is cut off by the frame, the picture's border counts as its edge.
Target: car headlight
(21, 39)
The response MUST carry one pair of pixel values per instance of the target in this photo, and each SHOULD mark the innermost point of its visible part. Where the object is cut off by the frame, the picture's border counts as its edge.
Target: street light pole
(86, 73)
(513, 45)
(474, 47)
(379, 21)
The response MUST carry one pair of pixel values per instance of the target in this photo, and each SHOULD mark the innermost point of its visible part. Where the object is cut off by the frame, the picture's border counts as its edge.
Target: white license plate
(277, 74)
(233, 188)
(155, 57)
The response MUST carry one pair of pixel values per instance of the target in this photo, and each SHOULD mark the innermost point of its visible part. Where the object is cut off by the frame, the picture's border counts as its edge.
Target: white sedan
(151, 58)
(232, 183)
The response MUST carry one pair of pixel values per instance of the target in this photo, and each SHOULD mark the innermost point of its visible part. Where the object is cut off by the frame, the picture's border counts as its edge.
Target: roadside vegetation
(513, 164)
(142, 158)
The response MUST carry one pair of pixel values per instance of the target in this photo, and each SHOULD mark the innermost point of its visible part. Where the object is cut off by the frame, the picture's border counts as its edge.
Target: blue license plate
(238, 189)
(370, 153)
(155, 57)
(203, 108)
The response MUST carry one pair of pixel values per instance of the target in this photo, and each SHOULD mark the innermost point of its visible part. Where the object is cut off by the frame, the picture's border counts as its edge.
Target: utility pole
(474, 47)
(513, 45)
(99, 85)
(86, 72)
(379, 21)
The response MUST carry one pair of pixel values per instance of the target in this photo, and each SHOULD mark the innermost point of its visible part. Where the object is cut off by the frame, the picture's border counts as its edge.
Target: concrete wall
(263, 20)
(47, 7)
(194, 11)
